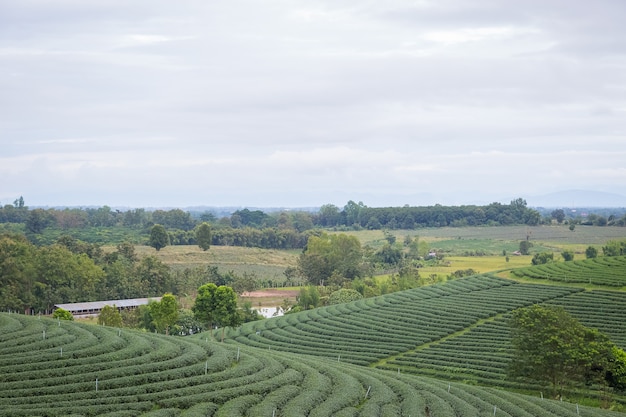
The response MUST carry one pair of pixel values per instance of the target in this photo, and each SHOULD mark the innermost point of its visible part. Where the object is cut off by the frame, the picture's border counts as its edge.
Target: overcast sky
(301, 103)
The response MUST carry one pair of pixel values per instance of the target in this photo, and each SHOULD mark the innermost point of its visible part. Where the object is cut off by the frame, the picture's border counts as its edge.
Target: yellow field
(480, 264)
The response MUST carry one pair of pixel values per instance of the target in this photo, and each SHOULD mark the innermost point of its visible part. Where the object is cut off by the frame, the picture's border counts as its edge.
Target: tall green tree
(64, 277)
(121, 280)
(38, 220)
(553, 347)
(329, 215)
(204, 305)
(164, 313)
(154, 276)
(19, 203)
(203, 236)
(158, 237)
(18, 273)
(110, 316)
(217, 305)
(331, 254)
(353, 212)
(389, 254)
(226, 310)
(524, 247)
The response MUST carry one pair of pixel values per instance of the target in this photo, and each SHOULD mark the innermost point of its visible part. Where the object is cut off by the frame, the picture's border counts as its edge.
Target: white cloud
(148, 101)
(470, 35)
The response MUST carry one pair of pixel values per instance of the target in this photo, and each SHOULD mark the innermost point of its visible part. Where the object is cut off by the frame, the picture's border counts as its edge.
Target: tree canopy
(204, 306)
(62, 314)
(344, 295)
(542, 258)
(164, 313)
(110, 316)
(591, 252)
(35, 278)
(217, 305)
(330, 254)
(158, 237)
(553, 347)
(203, 236)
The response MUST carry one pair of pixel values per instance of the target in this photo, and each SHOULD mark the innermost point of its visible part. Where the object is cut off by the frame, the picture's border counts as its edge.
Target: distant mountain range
(577, 198)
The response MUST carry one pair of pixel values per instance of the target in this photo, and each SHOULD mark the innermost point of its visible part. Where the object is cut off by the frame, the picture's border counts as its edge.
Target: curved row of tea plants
(111, 372)
(608, 270)
(366, 331)
(482, 354)
(602, 310)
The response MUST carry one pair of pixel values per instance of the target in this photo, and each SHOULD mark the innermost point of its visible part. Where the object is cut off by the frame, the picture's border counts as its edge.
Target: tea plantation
(77, 369)
(608, 271)
(437, 351)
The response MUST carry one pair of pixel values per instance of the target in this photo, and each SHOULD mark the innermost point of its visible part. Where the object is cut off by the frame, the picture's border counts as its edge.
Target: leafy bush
(542, 258)
(62, 314)
(344, 295)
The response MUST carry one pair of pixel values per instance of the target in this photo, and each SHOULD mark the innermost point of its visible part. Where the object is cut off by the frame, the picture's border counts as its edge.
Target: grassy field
(493, 240)
(480, 264)
(265, 263)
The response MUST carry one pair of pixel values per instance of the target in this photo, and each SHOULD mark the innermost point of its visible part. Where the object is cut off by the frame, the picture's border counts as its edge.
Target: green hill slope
(51, 368)
(457, 331)
(367, 331)
(482, 354)
(606, 271)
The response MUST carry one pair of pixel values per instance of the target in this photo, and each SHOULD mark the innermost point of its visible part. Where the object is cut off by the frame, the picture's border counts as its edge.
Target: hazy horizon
(568, 199)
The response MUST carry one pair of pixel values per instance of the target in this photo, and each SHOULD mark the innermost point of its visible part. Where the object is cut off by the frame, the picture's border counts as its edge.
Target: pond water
(268, 312)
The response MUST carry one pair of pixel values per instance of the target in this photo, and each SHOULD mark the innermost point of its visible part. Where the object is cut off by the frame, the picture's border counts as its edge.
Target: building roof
(97, 305)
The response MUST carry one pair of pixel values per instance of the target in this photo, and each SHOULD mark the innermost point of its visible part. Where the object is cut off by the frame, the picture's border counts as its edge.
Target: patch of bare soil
(271, 293)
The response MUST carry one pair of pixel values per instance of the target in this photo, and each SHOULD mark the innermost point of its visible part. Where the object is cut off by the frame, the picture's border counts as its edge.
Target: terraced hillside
(608, 271)
(52, 368)
(456, 331)
(482, 354)
(370, 330)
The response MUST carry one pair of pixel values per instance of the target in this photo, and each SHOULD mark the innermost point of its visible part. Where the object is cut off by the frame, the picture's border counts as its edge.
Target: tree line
(35, 278)
(275, 230)
(352, 215)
